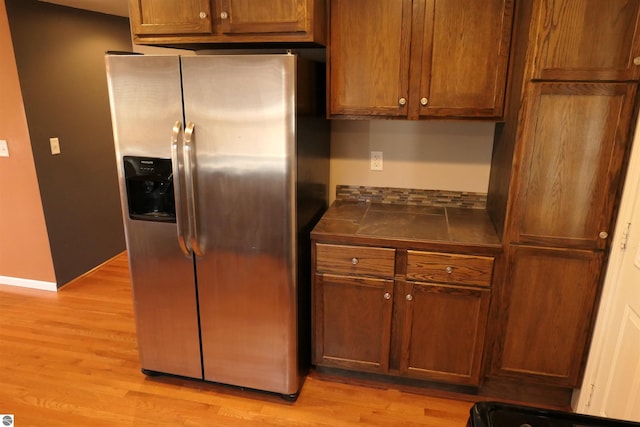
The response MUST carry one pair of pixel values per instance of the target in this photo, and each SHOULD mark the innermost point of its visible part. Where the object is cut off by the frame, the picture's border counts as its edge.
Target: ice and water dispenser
(149, 183)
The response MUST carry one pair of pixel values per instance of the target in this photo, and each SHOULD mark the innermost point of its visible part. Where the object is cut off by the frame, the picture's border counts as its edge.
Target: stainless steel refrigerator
(223, 169)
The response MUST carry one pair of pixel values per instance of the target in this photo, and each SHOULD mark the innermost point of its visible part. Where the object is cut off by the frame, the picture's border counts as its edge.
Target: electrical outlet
(55, 145)
(376, 160)
(4, 148)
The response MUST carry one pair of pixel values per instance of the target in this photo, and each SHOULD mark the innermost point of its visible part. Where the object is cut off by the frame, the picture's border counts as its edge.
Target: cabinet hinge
(588, 404)
(625, 237)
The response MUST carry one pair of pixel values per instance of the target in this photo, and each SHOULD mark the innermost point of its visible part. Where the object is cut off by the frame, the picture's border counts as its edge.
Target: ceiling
(110, 7)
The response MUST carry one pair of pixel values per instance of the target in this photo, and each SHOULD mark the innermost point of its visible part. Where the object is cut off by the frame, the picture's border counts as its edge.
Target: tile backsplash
(409, 196)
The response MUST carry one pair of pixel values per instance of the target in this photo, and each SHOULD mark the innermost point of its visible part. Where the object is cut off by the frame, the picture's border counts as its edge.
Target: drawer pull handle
(449, 270)
(387, 295)
(354, 261)
(409, 297)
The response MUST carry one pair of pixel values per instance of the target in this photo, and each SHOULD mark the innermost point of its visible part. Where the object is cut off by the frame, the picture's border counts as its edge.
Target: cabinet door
(443, 332)
(575, 140)
(369, 57)
(274, 16)
(460, 54)
(587, 40)
(546, 314)
(352, 322)
(170, 17)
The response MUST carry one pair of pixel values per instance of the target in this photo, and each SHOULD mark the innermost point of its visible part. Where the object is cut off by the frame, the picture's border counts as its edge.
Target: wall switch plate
(376, 160)
(4, 148)
(55, 145)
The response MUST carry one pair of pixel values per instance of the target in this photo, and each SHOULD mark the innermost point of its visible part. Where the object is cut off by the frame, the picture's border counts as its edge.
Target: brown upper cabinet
(246, 17)
(228, 21)
(586, 40)
(419, 58)
(574, 138)
(158, 17)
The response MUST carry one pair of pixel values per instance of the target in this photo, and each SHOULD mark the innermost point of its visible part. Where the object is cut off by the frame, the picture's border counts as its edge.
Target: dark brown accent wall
(60, 58)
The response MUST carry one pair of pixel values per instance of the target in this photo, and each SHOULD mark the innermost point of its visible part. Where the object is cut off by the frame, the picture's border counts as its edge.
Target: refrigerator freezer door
(146, 101)
(243, 111)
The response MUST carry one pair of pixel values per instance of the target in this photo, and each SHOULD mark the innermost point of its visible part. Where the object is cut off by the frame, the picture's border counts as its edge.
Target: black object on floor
(494, 414)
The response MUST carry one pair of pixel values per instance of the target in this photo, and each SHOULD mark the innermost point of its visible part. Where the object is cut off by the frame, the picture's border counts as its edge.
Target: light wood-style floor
(70, 359)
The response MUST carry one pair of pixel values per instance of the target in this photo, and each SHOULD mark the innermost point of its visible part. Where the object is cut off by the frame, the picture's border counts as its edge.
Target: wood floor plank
(70, 359)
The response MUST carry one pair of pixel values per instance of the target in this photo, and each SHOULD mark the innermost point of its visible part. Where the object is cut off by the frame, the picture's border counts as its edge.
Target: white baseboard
(28, 283)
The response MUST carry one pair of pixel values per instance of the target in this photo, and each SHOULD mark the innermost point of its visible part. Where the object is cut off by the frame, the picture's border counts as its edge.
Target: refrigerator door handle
(188, 148)
(177, 185)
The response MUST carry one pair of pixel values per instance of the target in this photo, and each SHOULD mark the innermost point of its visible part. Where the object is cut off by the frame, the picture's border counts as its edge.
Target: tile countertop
(410, 226)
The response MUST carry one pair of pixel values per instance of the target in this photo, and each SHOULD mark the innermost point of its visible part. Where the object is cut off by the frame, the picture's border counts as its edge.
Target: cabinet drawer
(361, 260)
(449, 268)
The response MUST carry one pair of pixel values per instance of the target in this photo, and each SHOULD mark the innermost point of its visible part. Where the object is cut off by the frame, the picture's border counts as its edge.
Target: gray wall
(60, 57)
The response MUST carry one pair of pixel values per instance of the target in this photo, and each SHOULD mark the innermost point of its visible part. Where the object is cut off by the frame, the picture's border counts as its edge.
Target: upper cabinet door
(587, 40)
(460, 53)
(369, 57)
(574, 145)
(420, 58)
(274, 16)
(175, 17)
(188, 22)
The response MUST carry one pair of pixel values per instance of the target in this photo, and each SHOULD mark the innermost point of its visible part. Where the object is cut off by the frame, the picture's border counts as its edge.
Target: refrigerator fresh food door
(241, 109)
(146, 101)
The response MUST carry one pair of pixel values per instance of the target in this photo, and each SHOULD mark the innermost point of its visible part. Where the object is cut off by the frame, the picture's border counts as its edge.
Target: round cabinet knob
(387, 295)
(449, 270)
(203, 15)
(409, 297)
(402, 101)
(603, 235)
(424, 102)
(224, 15)
(354, 261)
(636, 60)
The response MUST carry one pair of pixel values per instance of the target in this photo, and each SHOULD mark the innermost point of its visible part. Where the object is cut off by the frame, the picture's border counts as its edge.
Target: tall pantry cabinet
(558, 164)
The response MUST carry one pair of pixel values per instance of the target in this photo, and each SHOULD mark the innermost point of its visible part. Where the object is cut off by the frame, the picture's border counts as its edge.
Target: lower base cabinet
(443, 333)
(353, 321)
(391, 325)
(549, 300)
